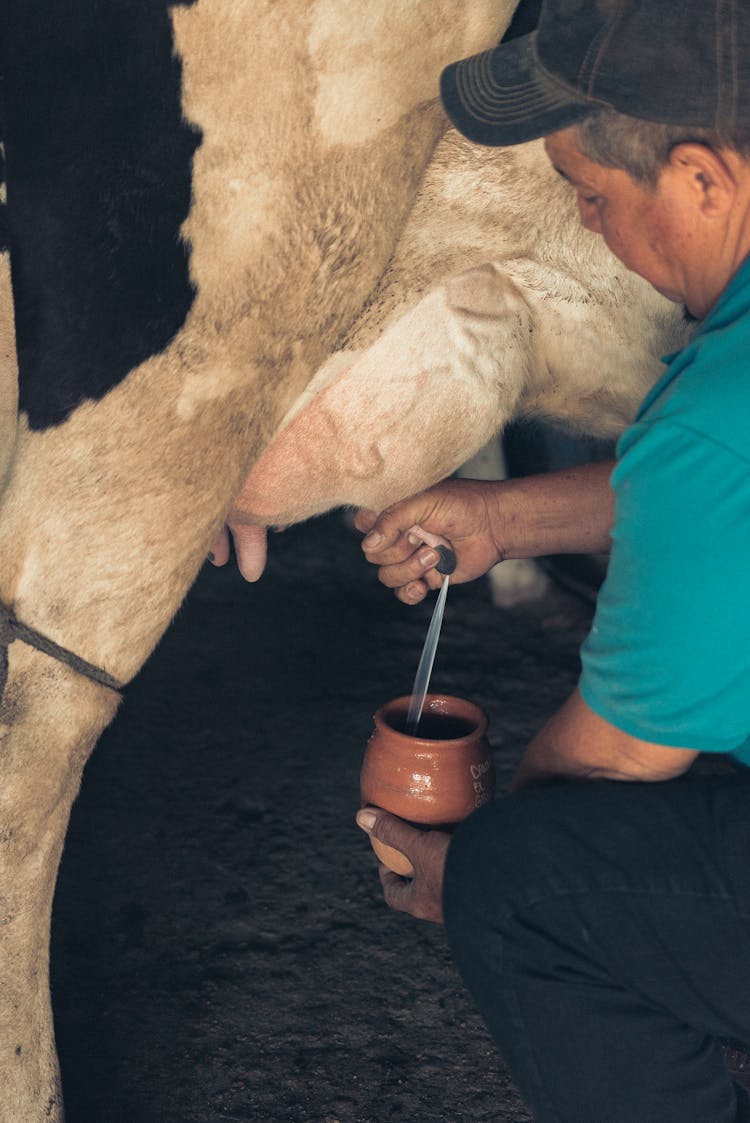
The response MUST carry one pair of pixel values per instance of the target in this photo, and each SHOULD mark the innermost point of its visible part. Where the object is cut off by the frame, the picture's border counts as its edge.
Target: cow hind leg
(40, 772)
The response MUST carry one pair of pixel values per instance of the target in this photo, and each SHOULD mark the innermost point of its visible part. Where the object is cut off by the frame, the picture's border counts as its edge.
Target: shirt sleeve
(668, 656)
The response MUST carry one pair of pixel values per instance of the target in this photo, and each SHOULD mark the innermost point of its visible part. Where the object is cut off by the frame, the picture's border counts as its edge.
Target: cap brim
(502, 96)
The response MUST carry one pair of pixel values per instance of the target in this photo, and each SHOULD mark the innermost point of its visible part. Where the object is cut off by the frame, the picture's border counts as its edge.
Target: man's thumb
(390, 837)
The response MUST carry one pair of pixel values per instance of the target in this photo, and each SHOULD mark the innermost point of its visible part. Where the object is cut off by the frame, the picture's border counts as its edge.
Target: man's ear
(705, 174)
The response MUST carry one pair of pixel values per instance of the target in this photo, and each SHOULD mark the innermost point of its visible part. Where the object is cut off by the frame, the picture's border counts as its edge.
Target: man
(600, 913)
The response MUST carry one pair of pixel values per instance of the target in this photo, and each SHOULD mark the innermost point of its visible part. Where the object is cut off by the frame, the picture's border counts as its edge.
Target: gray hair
(641, 148)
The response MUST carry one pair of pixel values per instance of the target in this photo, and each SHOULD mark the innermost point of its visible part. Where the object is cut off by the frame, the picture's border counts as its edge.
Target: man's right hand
(565, 512)
(456, 510)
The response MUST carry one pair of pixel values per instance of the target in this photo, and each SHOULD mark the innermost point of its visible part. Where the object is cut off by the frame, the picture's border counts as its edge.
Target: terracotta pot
(434, 779)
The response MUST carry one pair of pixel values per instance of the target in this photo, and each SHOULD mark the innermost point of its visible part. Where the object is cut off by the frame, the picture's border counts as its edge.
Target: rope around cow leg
(12, 629)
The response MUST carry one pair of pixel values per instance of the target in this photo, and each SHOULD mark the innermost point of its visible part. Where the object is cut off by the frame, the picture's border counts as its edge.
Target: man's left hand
(421, 895)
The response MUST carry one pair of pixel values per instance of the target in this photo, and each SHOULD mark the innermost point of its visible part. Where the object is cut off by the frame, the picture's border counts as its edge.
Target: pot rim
(453, 707)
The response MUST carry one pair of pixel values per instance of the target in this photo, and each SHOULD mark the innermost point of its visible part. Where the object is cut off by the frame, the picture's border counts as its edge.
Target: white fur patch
(364, 86)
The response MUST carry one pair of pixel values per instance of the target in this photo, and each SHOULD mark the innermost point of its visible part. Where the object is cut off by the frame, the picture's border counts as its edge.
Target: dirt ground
(220, 947)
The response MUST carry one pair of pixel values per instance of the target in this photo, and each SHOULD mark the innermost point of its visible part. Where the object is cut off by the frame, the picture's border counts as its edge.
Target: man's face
(647, 229)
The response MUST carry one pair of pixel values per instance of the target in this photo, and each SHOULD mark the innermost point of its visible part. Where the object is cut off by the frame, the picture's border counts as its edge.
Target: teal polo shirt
(668, 656)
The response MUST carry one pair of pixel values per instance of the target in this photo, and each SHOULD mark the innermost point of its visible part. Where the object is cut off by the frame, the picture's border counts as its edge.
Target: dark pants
(604, 931)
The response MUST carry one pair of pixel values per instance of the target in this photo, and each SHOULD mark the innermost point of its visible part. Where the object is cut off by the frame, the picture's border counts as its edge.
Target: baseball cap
(675, 62)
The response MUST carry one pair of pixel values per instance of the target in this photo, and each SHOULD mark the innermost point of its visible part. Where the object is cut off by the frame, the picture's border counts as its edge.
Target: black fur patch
(98, 163)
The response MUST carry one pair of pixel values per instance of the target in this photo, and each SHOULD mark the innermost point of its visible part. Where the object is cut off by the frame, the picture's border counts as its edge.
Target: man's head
(687, 234)
(644, 104)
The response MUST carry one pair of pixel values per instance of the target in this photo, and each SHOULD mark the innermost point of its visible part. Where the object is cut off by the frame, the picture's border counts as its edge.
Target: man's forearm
(565, 512)
(577, 744)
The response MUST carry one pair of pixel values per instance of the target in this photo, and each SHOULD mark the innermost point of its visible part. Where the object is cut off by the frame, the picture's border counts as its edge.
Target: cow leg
(41, 759)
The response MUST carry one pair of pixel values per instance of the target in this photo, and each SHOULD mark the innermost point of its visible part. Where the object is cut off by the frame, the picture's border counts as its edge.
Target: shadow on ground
(220, 947)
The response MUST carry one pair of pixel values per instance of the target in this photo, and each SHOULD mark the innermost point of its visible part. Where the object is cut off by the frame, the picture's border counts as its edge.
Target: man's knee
(495, 860)
(521, 849)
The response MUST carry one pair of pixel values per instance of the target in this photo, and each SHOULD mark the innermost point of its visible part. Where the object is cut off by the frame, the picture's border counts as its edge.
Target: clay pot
(434, 779)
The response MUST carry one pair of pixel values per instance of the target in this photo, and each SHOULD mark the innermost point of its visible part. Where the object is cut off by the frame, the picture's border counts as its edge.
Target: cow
(203, 199)
(200, 199)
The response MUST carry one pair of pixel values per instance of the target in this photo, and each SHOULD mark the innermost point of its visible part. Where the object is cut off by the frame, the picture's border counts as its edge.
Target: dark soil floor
(220, 947)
